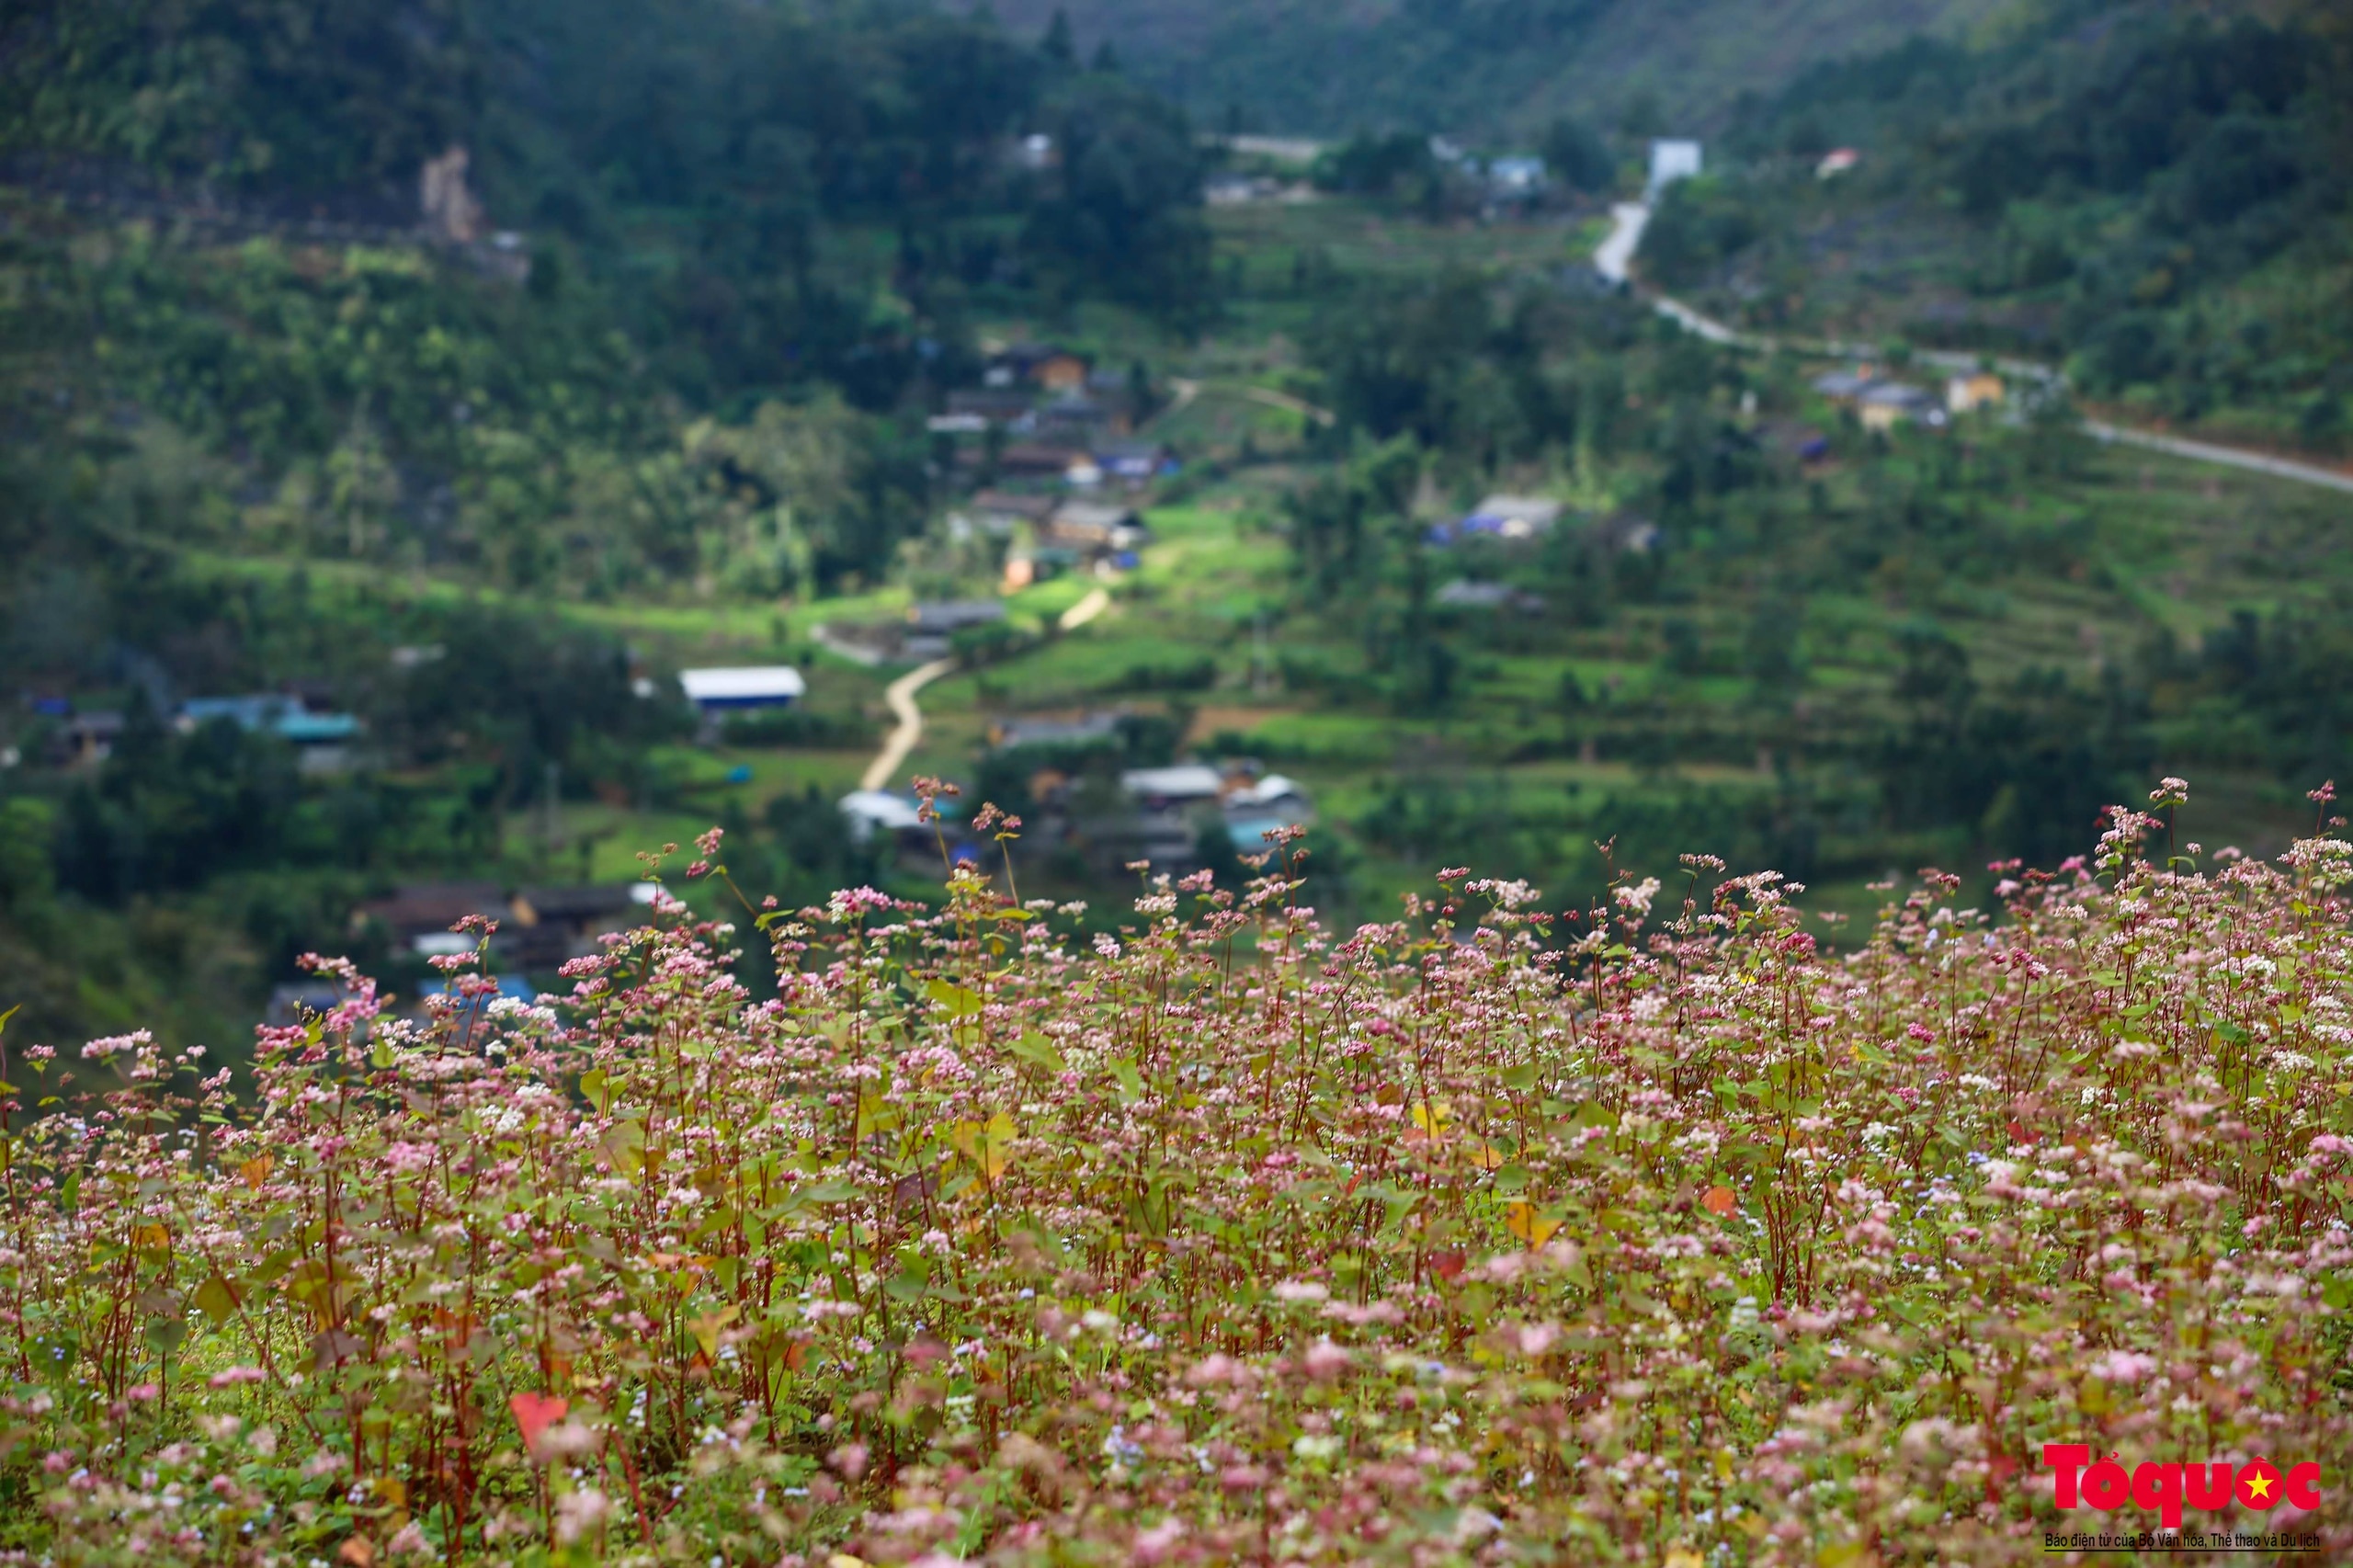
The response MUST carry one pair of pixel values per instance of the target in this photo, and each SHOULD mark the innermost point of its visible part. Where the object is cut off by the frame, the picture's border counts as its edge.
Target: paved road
(2206, 451)
(1614, 259)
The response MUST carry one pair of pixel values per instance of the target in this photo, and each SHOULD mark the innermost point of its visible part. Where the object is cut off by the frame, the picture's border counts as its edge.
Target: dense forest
(1488, 68)
(723, 208)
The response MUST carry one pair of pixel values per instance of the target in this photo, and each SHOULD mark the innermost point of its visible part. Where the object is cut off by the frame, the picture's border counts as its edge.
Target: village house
(1889, 403)
(1003, 511)
(1672, 160)
(742, 688)
(931, 627)
(1843, 387)
(85, 740)
(1501, 517)
(1463, 594)
(1135, 462)
(1041, 365)
(1966, 394)
(1172, 804)
(1095, 528)
(1086, 730)
(321, 739)
(539, 928)
(1039, 459)
(991, 406)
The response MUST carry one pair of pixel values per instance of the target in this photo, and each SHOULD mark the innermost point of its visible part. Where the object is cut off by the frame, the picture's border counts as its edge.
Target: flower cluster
(1646, 1234)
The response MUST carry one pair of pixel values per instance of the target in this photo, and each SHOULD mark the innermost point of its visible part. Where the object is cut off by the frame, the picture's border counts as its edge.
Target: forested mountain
(688, 281)
(1483, 66)
(2157, 194)
(720, 205)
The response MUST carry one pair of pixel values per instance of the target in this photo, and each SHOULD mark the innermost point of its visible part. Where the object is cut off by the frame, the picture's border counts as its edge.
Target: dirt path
(1614, 258)
(1186, 391)
(1301, 406)
(901, 696)
(1085, 609)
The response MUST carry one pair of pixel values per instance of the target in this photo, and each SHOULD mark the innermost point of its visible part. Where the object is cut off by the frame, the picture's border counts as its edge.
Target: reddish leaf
(535, 1413)
(1719, 1202)
(1446, 1265)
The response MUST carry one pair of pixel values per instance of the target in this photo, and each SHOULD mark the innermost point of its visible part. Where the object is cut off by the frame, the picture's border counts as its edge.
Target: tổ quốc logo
(2079, 1480)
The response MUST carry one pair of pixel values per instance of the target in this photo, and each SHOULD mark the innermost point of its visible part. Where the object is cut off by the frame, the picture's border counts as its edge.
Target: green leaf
(218, 1299)
(1038, 1050)
(623, 1145)
(963, 1000)
(1130, 1081)
(9, 1014)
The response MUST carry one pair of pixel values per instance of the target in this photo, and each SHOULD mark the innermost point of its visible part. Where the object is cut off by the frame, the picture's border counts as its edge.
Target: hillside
(1483, 66)
(2159, 199)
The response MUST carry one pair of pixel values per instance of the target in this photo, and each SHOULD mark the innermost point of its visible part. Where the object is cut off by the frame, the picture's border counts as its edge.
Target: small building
(539, 928)
(1672, 160)
(1511, 516)
(991, 406)
(1184, 784)
(85, 740)
(1002, 511)
(1966, 394)
(1174, 805)
(1627, 533)
(1039, 459)
(1095, 528)
(547, 927)
(931, 627)
(321, 739)
(1074, 415)
(1802, 442)
(1515, 178)
(1845, 386)
(416, 918)
(1135, 461)
(1890, 404)
(1060, 372)
(942, 617)
(735, 688)
(1254, 809)
(1463, 594)
(1039, 364)
(1086, 730)
(1038, 564)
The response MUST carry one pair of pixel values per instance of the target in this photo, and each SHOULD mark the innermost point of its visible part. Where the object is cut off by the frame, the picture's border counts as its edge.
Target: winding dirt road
(901, 696)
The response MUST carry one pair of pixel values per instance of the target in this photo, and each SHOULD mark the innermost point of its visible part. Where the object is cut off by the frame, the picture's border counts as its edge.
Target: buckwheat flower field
(1652, 1234)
